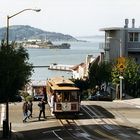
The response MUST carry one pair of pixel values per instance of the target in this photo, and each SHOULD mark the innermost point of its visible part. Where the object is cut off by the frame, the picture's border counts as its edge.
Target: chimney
(102, 56)
(126, 23)
(133, 23)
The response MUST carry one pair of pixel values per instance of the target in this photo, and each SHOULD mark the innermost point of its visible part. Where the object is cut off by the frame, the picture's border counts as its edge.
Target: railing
(104, 46)
(60, 67)
(133, 46)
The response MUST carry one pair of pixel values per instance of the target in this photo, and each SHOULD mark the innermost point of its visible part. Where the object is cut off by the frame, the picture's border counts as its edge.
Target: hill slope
(22, 32)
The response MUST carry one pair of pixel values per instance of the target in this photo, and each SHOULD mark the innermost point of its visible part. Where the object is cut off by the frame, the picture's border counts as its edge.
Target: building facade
(122, 42)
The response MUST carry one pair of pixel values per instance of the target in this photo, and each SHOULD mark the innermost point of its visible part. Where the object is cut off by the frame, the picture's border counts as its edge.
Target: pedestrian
(30, 108)
(25, 111)
(41, 105)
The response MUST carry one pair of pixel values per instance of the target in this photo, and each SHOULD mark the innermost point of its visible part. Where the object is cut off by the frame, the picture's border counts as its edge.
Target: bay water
(73, 56)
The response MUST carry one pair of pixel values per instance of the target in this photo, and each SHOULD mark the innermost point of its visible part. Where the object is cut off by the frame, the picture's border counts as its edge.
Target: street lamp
(8, 17)
(6, 122)
(120, 55)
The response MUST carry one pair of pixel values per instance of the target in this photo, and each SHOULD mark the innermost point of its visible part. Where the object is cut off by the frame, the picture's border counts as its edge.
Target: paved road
(99, 120)
(121, 119)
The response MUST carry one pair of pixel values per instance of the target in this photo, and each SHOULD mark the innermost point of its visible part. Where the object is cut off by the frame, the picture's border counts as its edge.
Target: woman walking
(25, 111)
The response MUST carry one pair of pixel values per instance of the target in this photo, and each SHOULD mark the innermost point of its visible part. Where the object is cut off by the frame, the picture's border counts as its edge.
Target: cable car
(62, 95)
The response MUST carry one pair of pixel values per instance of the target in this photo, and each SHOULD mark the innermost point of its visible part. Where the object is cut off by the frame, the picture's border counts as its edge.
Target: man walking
(30, 108)
(42, 109)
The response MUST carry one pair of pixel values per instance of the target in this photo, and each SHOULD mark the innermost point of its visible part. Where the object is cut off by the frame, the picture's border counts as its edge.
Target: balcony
(133, 46)
(104, 46)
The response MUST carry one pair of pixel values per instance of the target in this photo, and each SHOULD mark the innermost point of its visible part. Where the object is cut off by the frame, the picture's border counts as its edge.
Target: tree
(99, 74)
(92, 74)
(83, 85)
(131, 75)
(15, 70)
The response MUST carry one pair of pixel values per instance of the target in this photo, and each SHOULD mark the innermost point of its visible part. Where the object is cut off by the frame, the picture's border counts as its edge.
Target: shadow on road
(100, 131)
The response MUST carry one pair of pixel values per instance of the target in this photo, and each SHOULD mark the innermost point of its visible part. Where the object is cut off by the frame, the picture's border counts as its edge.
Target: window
(74, 96)
(136, 36)
(130, 36)
(66, 96)
(133, 37)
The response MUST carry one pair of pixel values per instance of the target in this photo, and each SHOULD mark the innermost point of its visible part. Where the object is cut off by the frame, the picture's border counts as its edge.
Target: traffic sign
(121, 66)
(121, 63)
(121, 60)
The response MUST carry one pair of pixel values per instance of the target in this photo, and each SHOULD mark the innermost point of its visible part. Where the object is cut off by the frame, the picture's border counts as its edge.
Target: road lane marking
(138, 106)
(85, 135)
(124, 135)
(57, 135)
(51, 131)
(2, 113)
(104, 134)
(107, 127)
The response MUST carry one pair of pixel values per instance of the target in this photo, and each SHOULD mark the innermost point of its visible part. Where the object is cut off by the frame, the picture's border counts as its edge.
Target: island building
(121, 42)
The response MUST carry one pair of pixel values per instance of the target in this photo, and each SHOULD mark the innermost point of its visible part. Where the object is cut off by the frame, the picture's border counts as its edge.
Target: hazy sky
(74, 17)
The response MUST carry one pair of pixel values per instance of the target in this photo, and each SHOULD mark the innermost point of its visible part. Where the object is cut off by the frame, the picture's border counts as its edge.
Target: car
(101, 96)
(16, 98)
(38, 97)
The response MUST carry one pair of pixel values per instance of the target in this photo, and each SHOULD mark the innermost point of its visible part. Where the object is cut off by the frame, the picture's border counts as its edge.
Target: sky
(73, 17)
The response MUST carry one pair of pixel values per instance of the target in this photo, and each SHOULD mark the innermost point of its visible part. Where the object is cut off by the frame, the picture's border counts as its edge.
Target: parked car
(101, 96)
(16, 98)
(38, 97)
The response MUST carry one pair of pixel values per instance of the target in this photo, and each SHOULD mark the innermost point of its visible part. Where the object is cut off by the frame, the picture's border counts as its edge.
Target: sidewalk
(15, 135)
(135, 102)
(130, 100)
(18, 126)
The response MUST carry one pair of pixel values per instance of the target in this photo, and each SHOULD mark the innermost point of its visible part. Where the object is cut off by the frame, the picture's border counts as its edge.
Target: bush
(29, 98)
(24, 94)
(84, 95)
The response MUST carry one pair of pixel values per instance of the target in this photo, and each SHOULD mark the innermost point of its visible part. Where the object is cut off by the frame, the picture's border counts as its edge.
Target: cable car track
(74, 130)
(100, 126)
(106, 126)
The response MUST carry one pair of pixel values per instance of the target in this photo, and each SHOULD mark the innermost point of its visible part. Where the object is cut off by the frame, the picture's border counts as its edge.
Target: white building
(80, 71)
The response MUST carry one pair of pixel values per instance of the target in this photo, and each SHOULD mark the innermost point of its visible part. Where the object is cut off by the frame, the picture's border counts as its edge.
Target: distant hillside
(22, 32)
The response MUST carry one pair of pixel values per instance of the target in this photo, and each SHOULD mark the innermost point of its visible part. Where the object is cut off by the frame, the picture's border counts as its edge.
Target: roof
(119, 29)
(38, 83)
(77, 66)
(111, 28)
(60, 83)
(60, 80)
(96, 60)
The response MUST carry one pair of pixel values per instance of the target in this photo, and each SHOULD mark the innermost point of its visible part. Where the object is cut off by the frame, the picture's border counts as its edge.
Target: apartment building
(122, 42)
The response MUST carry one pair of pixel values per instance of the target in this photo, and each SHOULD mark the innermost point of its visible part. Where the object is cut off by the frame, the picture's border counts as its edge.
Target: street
(97, 120)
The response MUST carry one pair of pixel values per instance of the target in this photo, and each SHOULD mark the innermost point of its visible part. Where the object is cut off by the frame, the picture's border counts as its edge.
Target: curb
(18, 136)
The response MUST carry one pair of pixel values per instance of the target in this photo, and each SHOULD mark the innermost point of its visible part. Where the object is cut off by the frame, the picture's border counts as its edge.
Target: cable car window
(66, 96)
(74, 96)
